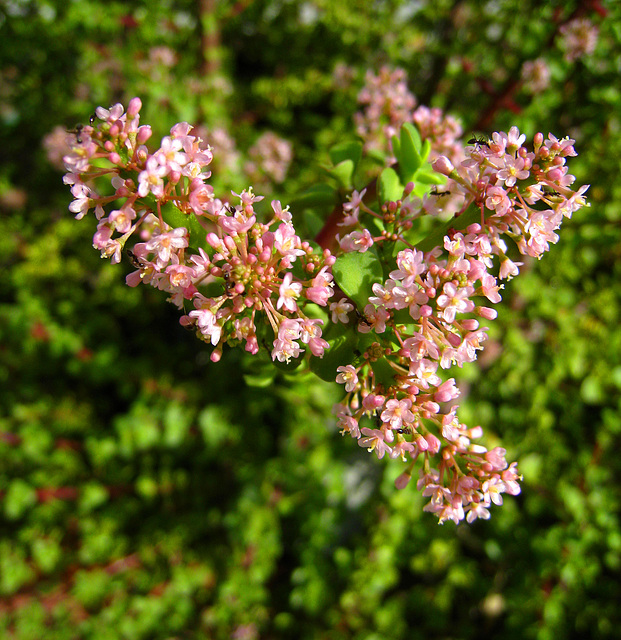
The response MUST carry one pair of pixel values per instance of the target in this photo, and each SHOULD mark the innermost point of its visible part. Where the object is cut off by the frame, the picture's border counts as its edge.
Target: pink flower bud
(487, 313)
(443, 165)
(433, 442)
(402, 481)
(135, 104)
(470, 324)
(143, 134)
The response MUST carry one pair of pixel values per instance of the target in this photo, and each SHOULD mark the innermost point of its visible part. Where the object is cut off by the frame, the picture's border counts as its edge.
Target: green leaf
(260, 380)
(318, 195)
(390, 187)
(175, 218)
(342, 351)
(343, 173)
(424, 152)
(356, 273)
(409, 156)
(429, 176)
(351, 150)
(384, 373)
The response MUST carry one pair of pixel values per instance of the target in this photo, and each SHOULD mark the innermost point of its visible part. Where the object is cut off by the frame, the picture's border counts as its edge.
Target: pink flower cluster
(425, 318)
(387, 103)
(578, 38)
(523, 194)
(234, 268)
(270, 157)
(252, 281)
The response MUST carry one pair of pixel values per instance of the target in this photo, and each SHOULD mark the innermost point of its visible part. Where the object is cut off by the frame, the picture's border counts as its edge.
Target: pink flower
(383, 295)
(496, 457)
(151, 179)
(279, 212)
(497, 200)
(411, 264)
(321, 287)
(374, 441)
(180, 275)
(397, 413)
(375, 320)
(110, 115)
(287, 243)
(311, 335)
(347, 376)
(208, 325)
(513, 170)
(425, 373)
(478, 510)
(170, 155)
(352, 208)
(122, 219)
(579, 38)
(510, 477)
(82, 202)
(447, 391)
(412, 297)
(490, 287)
(454, 301)
(403, 480)
(348, 424)
(509, 269)
(356, 241)
(289, 291)
(401, 448)
(165, 244)
(340, 310)
(285, 346)
(493, 489)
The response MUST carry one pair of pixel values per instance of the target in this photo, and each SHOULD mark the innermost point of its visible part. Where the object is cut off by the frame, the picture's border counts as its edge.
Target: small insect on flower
(434, 192)
(229, 286)
(91, 120)
(479, 141)
(77, 131)
(134, 259)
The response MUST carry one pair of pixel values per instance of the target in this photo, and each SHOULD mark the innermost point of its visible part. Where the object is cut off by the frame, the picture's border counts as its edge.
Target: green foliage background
(147, 493)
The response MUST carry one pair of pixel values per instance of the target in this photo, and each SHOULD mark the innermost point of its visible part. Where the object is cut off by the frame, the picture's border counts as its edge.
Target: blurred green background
(148, 493)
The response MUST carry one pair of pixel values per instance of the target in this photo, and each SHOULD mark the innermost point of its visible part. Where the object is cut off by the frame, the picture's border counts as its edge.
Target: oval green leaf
(356, 273)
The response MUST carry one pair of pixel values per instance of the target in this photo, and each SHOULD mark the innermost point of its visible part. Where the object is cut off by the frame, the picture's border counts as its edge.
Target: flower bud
(402, 481)
(134, 106)
(443, 165)
(143, 134)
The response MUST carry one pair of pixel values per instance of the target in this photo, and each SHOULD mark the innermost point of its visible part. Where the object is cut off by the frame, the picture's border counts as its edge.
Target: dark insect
(92, 119)
(78, 132)
(405, 430)
(434, 192)
(479, 141)
(134, 259)
(228, 285)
